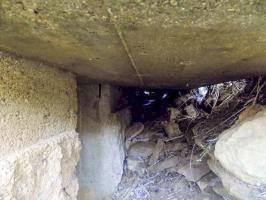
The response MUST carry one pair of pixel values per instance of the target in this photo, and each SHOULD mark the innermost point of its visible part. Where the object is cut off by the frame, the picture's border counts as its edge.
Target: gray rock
(195, 170)
(210, 180)
(234, 186)
(134, 130)
(157, 151)
(141, 150)
(165, 164)
(220, 190)
(136, 165)
(172, 129)
(241, 149)
(171, 147)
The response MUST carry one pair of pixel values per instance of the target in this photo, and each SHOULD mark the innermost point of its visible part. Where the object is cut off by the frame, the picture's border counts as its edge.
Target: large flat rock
(166, 43)
(240, 149)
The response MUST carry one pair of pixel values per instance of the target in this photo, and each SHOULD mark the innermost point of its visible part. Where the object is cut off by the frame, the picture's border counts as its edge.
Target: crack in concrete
(125, 46)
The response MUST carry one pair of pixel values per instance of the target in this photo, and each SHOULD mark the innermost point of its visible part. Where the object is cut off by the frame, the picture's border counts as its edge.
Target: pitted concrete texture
(36, 102)
(102, 135)
(45, 170)
(160, 43)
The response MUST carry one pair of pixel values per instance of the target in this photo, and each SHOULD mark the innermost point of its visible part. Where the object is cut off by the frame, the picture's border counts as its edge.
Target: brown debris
(178, 146)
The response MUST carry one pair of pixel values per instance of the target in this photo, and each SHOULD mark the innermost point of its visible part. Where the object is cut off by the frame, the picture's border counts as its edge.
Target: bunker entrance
(186, 144)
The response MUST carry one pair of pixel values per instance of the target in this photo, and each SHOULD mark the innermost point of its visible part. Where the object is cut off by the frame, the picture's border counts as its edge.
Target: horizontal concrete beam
(170, 43)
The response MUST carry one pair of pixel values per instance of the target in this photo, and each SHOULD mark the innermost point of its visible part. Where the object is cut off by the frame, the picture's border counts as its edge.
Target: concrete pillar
(39, 148)
(102, 136)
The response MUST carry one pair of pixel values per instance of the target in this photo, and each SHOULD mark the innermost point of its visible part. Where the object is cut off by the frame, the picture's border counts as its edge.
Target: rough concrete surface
(45, 170)
(166, 43)
(39, 148)
(102, 136)
(36, 102)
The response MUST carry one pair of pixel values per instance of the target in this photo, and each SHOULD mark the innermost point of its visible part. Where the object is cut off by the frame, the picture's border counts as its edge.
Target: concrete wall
(102, 136)
(39, 147)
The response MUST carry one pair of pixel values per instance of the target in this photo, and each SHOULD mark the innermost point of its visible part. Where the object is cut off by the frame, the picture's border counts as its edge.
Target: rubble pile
(202, 147)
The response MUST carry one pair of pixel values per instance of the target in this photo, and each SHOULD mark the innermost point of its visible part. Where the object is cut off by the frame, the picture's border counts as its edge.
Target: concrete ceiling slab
(158, 43)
